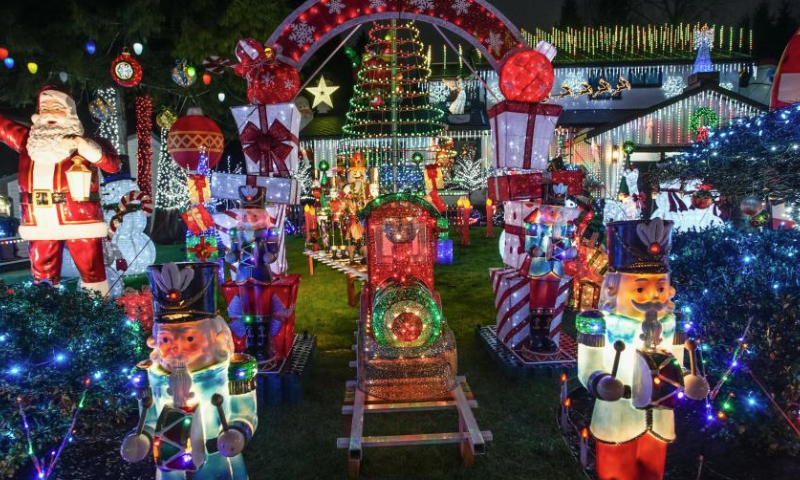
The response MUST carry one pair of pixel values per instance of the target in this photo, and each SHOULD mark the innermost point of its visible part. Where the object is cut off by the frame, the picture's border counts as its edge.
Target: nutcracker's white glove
(135, 447)
(231, 443)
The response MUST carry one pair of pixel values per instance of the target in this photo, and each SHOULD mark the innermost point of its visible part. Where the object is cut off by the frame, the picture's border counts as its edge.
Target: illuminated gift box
(286, 191)
(444, 253)
(514, 233)
(573, 179)
(267, 310)
(521, 133)
(524, 186)
(269, 137)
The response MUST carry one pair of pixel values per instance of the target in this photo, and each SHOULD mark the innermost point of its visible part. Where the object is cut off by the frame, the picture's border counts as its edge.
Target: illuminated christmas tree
(171, 192)
(390, 120)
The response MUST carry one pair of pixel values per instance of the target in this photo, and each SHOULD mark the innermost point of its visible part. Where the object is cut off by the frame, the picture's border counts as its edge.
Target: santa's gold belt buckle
(42, 198)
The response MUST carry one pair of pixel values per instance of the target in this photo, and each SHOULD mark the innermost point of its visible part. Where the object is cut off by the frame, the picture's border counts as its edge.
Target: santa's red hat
(58, 94)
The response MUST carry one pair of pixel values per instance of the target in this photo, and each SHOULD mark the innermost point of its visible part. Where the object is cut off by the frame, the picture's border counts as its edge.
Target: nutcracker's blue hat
(183, 292)
(639, 246)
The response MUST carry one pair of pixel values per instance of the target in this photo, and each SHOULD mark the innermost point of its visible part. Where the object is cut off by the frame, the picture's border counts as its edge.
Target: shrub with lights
(757, 156)
(65, 360)
(741, 292)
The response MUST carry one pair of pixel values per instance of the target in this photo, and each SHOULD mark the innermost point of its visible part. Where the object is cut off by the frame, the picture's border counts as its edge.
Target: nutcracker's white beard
(44, 141)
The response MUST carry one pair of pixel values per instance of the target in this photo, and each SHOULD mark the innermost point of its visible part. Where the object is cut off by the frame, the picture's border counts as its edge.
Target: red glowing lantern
(193, 135)
(526, 76)
(206, 79)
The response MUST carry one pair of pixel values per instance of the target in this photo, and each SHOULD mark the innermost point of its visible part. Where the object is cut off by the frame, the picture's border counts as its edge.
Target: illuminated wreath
(406, 316)
(703, 113)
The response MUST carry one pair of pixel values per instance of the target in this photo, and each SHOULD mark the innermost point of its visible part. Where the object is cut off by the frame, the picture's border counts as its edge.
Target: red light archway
(316, 21)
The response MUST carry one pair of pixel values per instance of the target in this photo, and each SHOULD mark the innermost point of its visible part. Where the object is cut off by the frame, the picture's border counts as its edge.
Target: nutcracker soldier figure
(630, 355)
(59, 189)
(197, 399)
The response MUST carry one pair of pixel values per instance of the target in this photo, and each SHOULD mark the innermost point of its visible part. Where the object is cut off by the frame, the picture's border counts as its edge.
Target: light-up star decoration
(322, 95)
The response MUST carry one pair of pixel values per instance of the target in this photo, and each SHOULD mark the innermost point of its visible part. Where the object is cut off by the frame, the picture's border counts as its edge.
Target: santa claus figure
(51, 217)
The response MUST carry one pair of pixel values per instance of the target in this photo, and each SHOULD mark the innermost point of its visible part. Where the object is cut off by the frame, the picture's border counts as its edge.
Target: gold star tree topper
(322, 93)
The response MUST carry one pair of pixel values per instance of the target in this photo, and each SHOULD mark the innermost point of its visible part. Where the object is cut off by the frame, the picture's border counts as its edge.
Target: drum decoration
(657, 380)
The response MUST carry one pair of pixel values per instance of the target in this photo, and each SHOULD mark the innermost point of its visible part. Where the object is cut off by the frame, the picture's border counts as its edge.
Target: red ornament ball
(526, 76)
(276, 83)
(191, 136)
(407, 327)
(126, 70)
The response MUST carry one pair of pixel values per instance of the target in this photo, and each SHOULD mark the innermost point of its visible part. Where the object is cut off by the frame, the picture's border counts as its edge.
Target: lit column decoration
(144, 150)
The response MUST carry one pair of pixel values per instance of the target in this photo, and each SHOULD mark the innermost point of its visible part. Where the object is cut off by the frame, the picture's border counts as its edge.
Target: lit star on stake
(322, 93)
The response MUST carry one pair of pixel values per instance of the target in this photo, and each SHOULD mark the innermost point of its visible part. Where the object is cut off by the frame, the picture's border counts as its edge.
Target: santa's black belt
(44, 198)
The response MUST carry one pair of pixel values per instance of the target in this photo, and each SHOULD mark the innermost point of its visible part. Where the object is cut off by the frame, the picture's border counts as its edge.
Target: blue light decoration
(703, 41)
(409, 177)
(9, 62)
(750, 330)
(91, 47)
(444, 254)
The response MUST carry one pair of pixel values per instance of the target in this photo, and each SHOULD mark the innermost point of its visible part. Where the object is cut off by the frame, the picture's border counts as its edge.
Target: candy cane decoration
(143, 198)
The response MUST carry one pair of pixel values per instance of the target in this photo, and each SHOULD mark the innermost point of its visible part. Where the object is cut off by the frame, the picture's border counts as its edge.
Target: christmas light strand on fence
(641, 42)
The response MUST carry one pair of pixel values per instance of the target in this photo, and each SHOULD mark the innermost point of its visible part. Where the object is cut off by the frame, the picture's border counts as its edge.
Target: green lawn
(299, 441)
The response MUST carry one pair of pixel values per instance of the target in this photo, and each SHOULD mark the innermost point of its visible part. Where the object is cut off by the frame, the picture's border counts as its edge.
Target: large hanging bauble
(125, 70)
(276, 83)
(181, 74)
(99, 109)
(526, 76)
(191, 136)
(751, 205)
(702, 199)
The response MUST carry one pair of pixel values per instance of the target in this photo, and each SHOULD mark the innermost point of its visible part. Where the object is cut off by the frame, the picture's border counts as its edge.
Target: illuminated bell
(79, 179)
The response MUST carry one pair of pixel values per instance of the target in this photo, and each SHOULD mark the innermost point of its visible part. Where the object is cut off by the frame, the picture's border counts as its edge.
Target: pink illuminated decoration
(317, 21)
(786, 85)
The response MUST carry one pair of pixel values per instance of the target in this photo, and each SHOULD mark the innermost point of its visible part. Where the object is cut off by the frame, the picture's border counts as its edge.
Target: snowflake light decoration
(461, 6)
(673, 86)
(422, 4)
(438, 92)
(495, 42)
(573, 81)
(375, 4)
(335, 6)
(726, 85)
(302, 33)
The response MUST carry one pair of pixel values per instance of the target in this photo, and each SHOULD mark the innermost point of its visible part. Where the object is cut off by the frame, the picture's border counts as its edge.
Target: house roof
(691, 91)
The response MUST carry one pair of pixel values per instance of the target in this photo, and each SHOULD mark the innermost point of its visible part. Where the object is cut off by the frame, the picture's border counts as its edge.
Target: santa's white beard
(44, 141)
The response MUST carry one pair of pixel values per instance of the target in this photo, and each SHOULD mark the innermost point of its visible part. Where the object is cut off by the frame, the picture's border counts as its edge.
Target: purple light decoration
(187, 457)
(680, 395)
(444, 254)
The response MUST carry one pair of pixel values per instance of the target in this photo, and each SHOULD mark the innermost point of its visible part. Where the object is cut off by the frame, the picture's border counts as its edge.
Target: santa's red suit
(50, 216)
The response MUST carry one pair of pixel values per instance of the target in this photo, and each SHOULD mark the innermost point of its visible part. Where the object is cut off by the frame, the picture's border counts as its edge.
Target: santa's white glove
(89, 149)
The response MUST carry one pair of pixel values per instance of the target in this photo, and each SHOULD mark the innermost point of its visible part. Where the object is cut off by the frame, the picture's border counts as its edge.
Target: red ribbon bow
(268, 146)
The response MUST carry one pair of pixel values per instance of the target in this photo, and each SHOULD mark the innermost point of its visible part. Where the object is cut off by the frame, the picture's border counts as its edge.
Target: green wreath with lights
(703, 113)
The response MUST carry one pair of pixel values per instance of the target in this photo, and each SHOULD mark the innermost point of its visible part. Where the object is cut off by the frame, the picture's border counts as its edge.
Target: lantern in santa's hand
(522, 126)
(195, 138)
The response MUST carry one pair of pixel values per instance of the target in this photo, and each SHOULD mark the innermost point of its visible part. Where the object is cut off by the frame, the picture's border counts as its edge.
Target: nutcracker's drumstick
(690, 347)
(147, 402)
(619, 346)
(217, 400)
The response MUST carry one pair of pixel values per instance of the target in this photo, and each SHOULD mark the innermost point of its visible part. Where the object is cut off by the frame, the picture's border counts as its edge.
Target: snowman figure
(126, 209)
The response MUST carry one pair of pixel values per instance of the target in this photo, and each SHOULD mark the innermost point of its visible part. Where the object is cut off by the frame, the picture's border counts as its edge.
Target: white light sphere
(221, 96)
(138, 48)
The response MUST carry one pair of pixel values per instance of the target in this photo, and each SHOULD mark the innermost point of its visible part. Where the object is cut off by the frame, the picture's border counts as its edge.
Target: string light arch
(315, 22)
